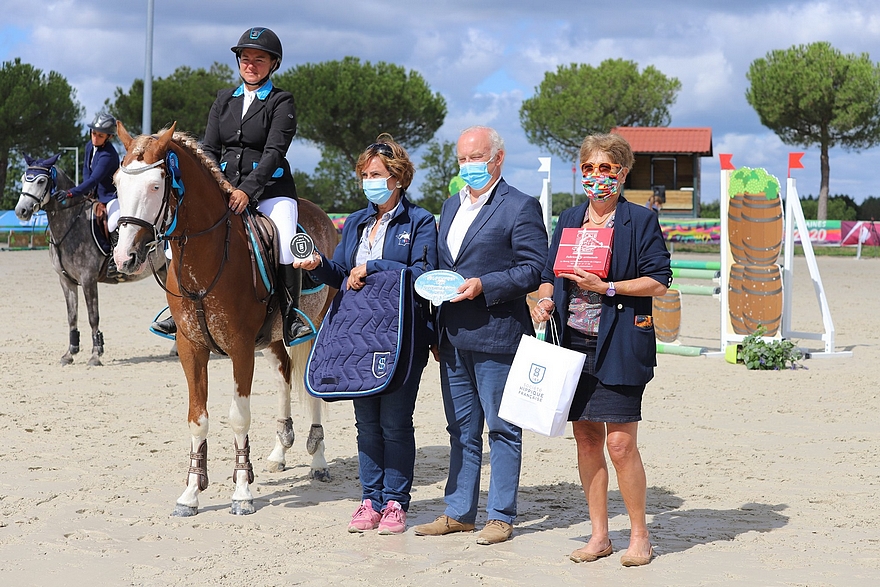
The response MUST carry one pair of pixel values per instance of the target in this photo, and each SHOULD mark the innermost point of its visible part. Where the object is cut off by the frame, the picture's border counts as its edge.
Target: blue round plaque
(438, 286)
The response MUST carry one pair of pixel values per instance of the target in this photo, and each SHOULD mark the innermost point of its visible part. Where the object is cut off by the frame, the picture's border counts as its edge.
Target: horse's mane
(192, 146)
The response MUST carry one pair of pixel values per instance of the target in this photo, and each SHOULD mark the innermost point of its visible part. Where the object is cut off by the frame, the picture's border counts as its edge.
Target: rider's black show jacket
(251, 150)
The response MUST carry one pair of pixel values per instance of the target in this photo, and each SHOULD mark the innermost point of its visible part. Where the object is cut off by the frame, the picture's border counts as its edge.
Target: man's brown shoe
(442, 525)
(495, 531)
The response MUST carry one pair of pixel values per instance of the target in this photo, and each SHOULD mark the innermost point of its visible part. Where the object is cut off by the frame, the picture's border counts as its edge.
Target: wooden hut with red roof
(667, 162)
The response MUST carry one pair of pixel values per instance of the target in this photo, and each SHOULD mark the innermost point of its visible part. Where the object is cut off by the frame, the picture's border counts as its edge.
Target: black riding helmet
(263, 39)
(104, 123)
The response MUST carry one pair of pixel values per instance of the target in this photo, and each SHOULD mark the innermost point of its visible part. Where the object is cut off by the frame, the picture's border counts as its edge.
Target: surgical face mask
(377, 190)
(476, 174)
(600, 187)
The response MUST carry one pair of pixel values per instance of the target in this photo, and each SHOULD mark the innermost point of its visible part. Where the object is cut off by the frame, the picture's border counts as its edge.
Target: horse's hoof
(242, 507)
(184, 511)
(274, 466)
(322, 475)
(66, 360)
(95, 362)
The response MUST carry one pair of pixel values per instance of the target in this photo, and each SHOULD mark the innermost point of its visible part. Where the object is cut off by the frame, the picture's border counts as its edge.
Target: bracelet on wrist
(546, 300)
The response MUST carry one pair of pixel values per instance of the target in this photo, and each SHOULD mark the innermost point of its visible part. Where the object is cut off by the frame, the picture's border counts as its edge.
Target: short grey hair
(495, 141)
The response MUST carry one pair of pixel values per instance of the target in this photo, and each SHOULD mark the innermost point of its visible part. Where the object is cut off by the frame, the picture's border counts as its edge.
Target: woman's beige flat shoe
(637, 561)
(579, 556)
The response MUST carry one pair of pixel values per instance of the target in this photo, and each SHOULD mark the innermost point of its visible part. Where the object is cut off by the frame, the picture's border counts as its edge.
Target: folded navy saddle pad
(365, 344)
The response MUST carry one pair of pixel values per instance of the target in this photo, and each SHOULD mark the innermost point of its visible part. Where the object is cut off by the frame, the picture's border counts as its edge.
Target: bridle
(167, 216)
(31, 174)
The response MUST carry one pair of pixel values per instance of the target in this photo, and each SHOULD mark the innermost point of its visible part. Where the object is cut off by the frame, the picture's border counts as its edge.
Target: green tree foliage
(333, 186)
(579, 99)
(38, 114)
(840, 207)
(344, 105)
(870, 208)
(440, 165)
(710, 209)
(184, 96)
(815, 95)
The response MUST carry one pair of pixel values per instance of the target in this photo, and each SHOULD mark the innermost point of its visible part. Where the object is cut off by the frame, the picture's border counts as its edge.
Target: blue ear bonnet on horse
(172, 163)
(38, 167)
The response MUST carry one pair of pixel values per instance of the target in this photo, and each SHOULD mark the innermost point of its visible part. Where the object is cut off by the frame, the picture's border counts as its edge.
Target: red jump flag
(794, 162)
(725, 161)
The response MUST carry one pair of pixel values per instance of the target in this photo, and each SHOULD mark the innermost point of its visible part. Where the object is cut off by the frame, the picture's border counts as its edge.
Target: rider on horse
(100, 163)
(249, 131)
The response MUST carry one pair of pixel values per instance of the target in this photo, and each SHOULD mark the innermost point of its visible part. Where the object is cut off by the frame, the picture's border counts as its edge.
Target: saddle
(98, 217)
(366, 343)
(263, 246)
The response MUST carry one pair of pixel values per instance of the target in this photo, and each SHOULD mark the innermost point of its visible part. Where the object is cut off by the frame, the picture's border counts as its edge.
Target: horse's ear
(29, 160)
(123, 135)
(51, 160)
(165, 138)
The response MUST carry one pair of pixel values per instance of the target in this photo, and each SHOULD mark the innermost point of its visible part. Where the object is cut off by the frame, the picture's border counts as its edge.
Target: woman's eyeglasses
(600, 168)
(382, 149)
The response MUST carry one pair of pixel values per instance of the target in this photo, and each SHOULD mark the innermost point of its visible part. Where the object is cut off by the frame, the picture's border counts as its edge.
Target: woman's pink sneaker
(364, 518)
(393, 519)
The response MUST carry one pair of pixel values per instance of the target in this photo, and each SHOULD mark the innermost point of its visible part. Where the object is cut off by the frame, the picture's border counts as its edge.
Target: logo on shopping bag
(380, 364)
(536, 373)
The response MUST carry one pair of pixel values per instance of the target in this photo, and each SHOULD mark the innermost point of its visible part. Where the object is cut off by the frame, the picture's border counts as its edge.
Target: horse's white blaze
(140, 196)
(34, 195)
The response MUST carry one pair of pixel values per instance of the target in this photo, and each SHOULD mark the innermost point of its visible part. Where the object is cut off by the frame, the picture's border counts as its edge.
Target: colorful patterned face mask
(600, 187)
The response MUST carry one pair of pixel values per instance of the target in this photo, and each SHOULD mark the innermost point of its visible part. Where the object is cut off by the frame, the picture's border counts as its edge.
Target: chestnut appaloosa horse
(171, 191)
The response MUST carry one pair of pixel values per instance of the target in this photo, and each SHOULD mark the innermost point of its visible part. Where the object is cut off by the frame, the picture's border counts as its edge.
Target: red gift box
(586, 248)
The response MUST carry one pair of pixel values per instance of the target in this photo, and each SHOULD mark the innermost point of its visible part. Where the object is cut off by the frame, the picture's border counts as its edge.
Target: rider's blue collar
(262, 92)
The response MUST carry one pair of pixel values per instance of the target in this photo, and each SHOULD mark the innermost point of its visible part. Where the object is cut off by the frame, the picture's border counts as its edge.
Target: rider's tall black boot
(294, 326)
(112, 270)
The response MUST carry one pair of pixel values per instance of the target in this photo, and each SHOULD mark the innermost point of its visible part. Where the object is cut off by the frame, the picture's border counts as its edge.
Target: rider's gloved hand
(62, 195)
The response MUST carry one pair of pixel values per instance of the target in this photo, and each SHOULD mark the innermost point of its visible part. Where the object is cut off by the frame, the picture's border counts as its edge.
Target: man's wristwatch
(611, 291)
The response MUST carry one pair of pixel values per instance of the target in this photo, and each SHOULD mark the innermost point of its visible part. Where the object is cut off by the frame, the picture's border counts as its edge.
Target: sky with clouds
(484, 57)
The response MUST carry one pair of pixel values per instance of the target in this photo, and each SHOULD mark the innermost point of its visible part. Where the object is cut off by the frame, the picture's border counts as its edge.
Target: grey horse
(76, 255)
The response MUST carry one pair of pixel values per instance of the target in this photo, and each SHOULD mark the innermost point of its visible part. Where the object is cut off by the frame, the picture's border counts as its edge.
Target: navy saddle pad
(365, 344)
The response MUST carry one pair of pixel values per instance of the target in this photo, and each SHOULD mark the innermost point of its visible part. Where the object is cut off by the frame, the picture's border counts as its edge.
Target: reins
(50, 188)
(163, 233)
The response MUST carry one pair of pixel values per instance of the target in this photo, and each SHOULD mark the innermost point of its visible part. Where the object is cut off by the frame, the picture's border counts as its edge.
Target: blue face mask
(377, 190)
(476, 174)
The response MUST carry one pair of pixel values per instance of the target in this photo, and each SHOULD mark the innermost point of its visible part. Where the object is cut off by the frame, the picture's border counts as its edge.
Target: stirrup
(167, 326)
(300, 328)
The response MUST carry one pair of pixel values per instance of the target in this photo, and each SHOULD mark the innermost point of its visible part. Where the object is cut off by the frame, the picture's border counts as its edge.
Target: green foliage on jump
(184, 96)
(746, 180)
(579, 99)
(761, 355)
(815, 95)
(39, 114)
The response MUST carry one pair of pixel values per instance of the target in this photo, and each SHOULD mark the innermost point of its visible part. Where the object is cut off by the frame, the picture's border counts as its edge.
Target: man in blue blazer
(493, 235)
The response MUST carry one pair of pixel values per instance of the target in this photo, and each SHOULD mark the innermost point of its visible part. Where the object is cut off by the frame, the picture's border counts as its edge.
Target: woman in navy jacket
(391, 233)
(609, 320)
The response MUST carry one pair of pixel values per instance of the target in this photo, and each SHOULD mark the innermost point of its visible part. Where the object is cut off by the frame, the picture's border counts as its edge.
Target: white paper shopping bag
(540, 386)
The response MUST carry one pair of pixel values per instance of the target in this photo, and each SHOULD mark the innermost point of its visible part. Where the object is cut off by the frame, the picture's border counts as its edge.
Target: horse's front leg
(71, 299)
(90, 291)
(240, 419)
(194, 360)
(279, 360)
